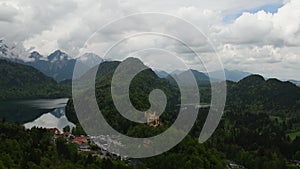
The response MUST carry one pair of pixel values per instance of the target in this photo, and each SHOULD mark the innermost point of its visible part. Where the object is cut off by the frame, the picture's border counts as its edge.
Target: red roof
(80, 140)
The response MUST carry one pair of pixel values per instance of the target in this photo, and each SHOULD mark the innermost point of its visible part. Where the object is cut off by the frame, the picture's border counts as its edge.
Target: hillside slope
(18, 81)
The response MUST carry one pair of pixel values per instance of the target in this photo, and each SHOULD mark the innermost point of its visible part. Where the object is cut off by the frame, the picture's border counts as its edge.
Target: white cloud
(253, 41)
(258, 41)
(248, 28)
(7, 12)
(281, 28)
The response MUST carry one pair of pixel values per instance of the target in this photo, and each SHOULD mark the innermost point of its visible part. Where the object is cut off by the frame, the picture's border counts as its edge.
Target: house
(82, 143)
(57, 134)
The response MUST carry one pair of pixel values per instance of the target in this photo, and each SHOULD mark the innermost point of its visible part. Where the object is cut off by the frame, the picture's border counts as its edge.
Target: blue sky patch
(269, 8)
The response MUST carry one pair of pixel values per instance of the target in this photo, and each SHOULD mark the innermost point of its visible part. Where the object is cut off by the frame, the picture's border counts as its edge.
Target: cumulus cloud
(259, 40)
(254, 41)
(281, 28)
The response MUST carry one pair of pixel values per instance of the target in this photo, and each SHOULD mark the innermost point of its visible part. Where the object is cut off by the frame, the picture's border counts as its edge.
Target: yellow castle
(152, 119)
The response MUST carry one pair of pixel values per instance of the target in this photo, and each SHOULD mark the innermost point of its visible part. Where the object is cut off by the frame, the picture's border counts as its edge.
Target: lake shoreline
(42, 113)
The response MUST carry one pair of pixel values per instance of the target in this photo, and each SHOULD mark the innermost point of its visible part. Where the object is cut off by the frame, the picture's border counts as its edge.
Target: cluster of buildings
(110, 145)
(104, 146)
(83, 142)
(97, 145)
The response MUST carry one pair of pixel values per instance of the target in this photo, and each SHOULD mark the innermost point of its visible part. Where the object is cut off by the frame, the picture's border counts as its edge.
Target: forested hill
(141, 86)
(256, 93)
(19, 81)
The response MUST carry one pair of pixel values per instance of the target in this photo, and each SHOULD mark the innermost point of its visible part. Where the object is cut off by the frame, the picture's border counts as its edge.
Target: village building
(82, 143)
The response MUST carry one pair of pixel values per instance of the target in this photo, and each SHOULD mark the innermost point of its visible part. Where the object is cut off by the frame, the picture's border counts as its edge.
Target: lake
(46, 113)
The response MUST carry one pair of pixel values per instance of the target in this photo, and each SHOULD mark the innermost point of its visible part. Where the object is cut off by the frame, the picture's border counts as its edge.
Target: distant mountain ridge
(201, 78)
(231, 75)
(58, 65)
(161, 74)
(296, 82)
(11, 52)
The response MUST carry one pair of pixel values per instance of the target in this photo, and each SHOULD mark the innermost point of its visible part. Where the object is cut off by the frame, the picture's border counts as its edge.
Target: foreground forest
(34, 148)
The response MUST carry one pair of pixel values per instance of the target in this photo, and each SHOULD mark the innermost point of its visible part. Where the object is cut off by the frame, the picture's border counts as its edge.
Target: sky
(255, 36)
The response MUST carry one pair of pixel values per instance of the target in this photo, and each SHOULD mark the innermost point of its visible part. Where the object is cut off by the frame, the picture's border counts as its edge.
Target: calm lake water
(46, 113)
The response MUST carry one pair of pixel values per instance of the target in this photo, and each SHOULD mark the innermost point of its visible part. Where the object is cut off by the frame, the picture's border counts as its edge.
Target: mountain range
(230, 75)
(58, 65)
(185, 78)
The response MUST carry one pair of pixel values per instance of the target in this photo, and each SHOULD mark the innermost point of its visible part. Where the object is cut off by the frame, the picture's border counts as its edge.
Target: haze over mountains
(231, 75)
